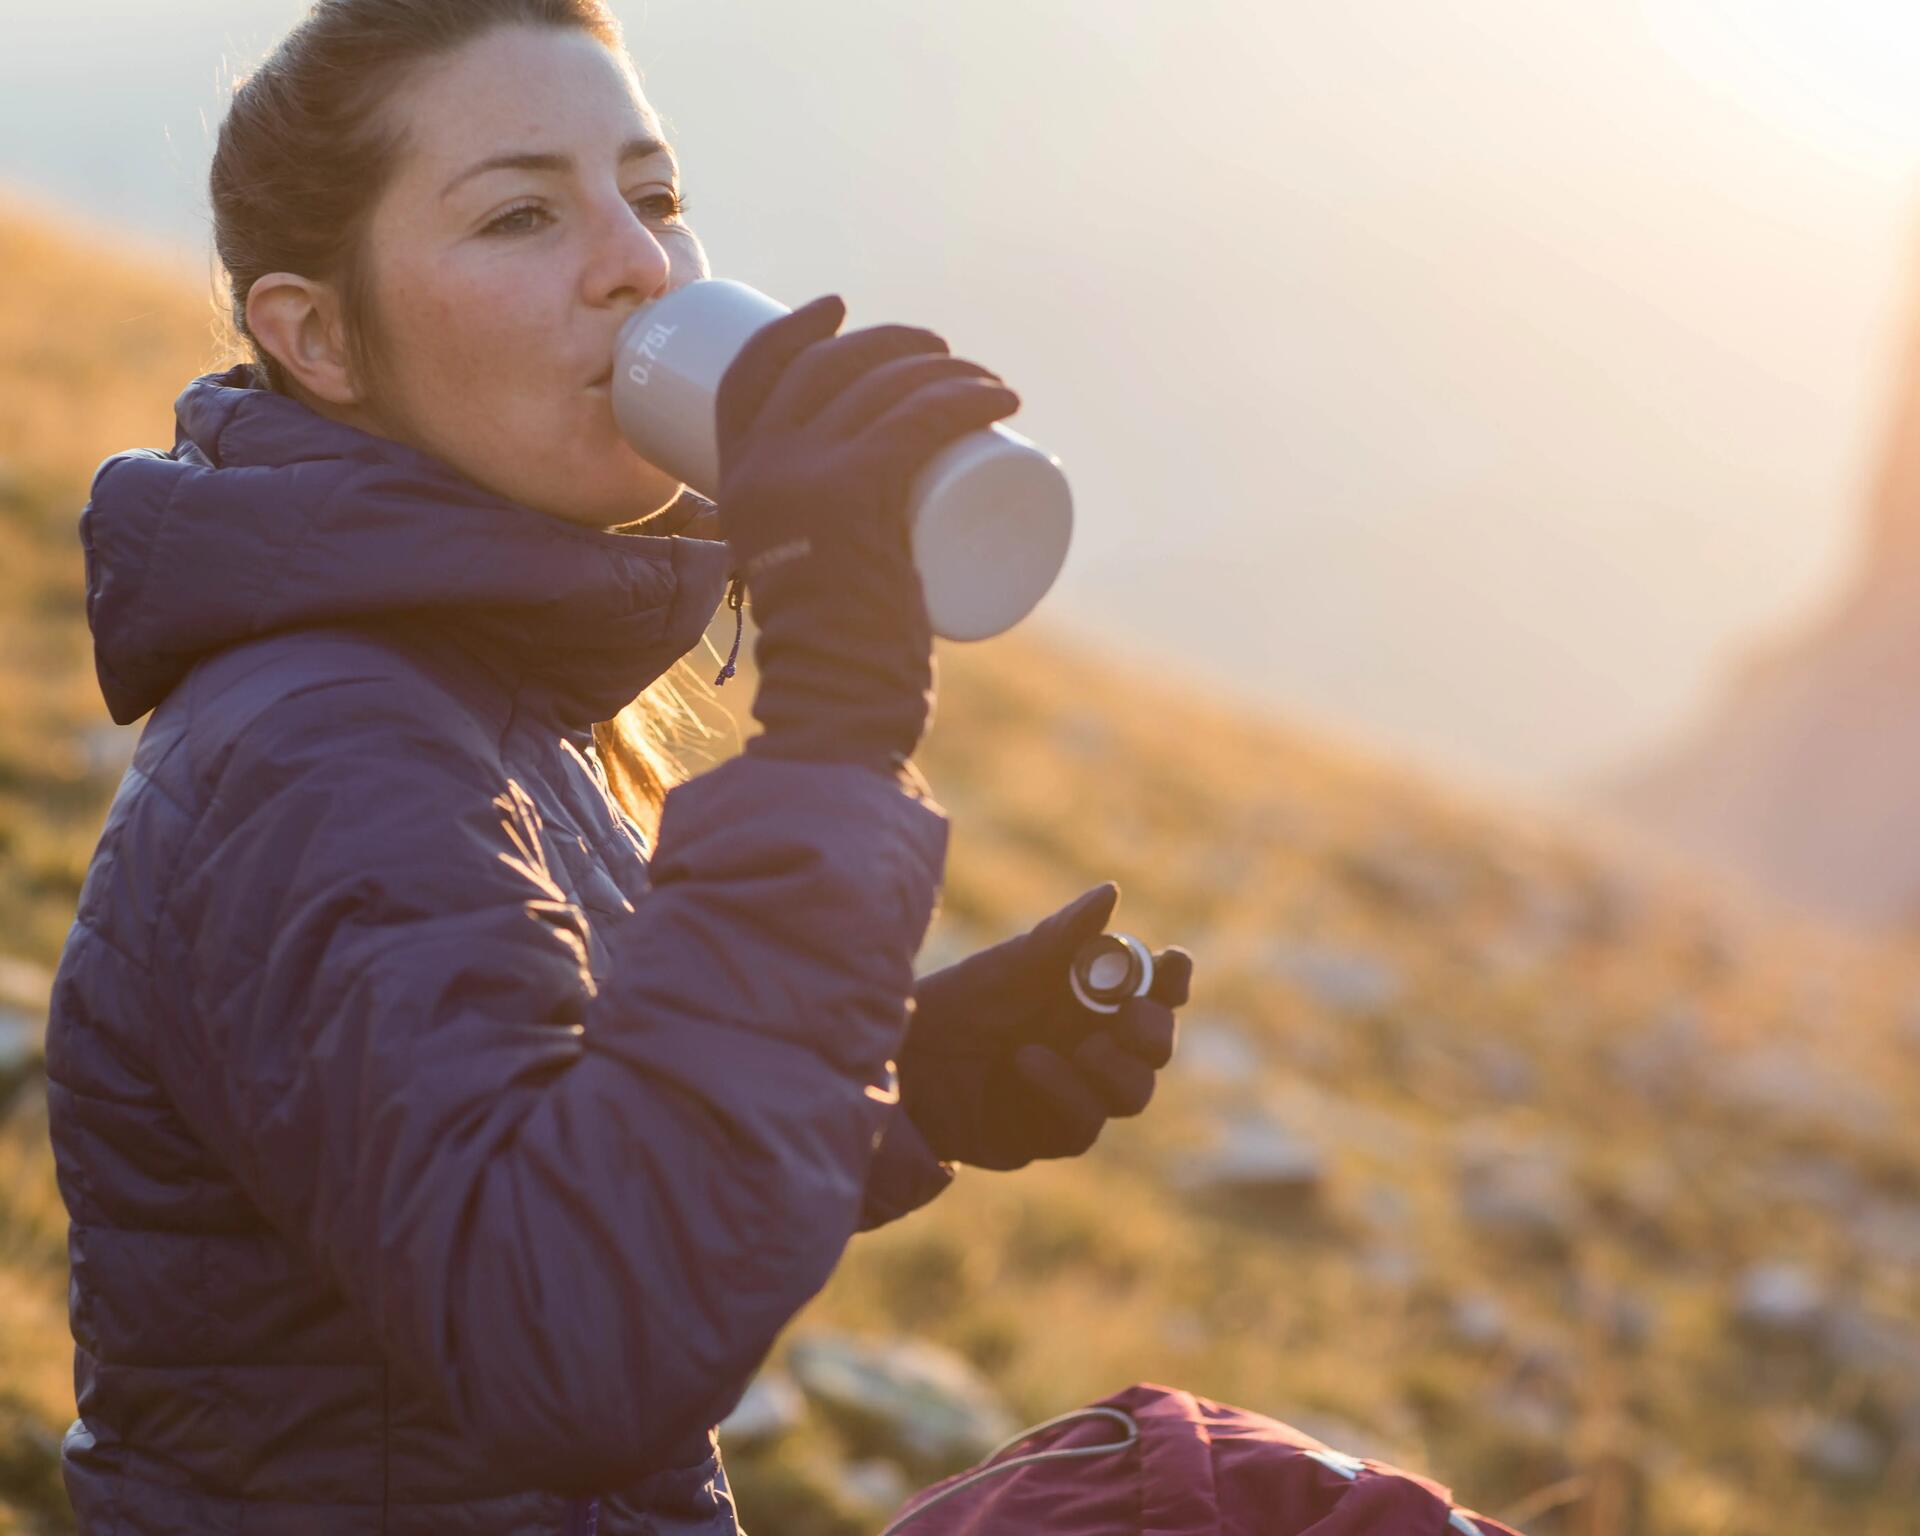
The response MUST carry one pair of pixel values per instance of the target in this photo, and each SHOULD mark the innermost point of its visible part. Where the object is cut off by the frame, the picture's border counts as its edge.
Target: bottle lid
(1108, 969)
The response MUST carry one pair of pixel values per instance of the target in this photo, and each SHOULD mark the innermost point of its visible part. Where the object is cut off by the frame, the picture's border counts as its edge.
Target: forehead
(519, 88)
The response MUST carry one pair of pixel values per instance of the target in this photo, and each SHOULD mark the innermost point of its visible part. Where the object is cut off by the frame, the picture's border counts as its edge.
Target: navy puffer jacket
(432, 1152)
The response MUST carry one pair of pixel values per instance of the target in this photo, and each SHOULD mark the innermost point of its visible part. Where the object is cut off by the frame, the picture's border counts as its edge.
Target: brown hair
(304, 153)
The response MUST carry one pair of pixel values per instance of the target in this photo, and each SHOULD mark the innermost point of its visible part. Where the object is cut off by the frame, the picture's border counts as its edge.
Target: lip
(604, 380)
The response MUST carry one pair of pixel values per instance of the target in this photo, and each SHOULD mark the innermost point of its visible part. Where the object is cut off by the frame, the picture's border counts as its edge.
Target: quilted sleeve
(577, 1216)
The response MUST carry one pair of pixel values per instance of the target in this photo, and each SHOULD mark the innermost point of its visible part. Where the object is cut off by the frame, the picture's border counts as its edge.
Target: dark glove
(1002, 1064)
(820, 437)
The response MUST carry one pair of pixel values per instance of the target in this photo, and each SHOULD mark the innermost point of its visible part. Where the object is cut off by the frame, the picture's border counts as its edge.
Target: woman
(441, 1153)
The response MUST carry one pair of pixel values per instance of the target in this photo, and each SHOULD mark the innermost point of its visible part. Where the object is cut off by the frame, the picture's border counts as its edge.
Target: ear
(298, 321)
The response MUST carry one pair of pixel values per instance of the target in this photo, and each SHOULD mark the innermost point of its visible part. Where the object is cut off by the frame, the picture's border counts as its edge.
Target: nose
(630, 266)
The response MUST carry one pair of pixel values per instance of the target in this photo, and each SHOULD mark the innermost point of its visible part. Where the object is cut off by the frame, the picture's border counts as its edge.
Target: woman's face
(498, 289)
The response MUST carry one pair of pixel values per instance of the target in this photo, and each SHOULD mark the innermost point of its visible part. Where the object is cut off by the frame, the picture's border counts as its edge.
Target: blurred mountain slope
(1801, 774)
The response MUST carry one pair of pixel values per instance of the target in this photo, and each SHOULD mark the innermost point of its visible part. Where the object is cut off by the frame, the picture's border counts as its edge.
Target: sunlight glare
(1845, 73)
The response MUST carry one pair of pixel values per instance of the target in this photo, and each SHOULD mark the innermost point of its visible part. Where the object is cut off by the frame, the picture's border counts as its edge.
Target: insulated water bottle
(991, 513)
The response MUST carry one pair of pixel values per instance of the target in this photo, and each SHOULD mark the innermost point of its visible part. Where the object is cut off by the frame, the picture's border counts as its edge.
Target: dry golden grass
(1534, 959)
(93, 342)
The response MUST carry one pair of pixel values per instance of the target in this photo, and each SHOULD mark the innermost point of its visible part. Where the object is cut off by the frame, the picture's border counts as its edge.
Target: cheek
(688, 256)
(482, 323)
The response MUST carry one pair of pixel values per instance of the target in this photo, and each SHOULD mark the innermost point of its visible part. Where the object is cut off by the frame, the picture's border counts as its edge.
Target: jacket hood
(268, 516)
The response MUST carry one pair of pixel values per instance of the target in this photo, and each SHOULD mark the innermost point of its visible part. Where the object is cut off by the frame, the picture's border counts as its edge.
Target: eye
(504, 225)
(507, 224)
(676, 204)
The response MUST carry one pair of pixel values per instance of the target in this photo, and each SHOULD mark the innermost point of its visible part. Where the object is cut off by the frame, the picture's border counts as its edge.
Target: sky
(1473, 379)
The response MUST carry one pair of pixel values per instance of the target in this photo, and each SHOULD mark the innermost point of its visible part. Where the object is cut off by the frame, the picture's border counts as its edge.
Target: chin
(653, 513)
(627, 499)
(643, 488)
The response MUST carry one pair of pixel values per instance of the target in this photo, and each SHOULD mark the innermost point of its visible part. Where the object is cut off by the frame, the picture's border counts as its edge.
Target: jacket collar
(267, 515)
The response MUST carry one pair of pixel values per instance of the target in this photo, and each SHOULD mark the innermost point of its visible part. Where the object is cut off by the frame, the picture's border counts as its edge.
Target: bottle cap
(1108, 969)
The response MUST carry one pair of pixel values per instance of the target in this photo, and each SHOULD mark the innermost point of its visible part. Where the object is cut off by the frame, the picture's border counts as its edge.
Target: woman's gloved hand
(1002, 1064)
(820, 437)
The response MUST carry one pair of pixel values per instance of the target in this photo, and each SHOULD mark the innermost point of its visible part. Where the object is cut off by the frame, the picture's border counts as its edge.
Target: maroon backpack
(1156, 1461)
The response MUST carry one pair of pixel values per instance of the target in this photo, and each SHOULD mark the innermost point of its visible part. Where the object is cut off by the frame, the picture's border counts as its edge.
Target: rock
(1822, 1182)
(1341, 980)
(1871, 1344)
(913, 1400)
(1545, 925)
(1214, 1049)
(1274, 824)
(876, 1482)
(1408, 878)
(1581, 906)
(108, 749)
(1478, 1320)
(1663, 1061)
(1388, 1206)
(1342, 1435)
(22, 1052)
(1799, 1088)
(1389, 1267)
(1889, 1232)
(1781, 1301)
(1085, 735)
(1258, 1163)
(1629, 1320)
(771, 1406)
(1819, 1005)
(1183, 1329)
(1511, 955)
(1608, 1312)
(1332, 1120)
(25, 984)
(1544, 1366)
(1222, 867)
(1503, 1074)
(1840, 1451)
(1530, 1416)
(1519, 1191)
(1643, 1198)
(1906, 1426)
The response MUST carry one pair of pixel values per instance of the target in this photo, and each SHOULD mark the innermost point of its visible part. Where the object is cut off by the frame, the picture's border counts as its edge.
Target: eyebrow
(534, 160)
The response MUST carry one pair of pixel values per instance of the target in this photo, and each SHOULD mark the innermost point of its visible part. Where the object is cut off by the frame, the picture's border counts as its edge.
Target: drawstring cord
(1126, 1420)
(734, 588)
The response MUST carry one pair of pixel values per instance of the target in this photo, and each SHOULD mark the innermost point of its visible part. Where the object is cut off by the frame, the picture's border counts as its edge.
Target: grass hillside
(1592, 1189)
